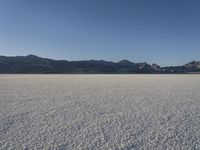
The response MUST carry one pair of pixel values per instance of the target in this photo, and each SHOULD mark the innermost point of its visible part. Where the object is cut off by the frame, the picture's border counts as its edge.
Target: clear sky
(166, 32)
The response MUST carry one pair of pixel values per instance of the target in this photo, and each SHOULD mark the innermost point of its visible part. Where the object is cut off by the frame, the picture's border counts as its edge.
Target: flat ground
(100, 112)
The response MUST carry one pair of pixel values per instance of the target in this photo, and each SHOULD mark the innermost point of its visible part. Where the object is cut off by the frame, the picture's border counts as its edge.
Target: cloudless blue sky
(166, 32)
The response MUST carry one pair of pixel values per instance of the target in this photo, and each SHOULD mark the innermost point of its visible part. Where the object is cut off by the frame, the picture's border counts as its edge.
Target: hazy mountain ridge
(35, 64)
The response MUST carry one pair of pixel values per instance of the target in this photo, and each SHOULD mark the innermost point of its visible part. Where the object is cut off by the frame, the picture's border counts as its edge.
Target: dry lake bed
(100, 112)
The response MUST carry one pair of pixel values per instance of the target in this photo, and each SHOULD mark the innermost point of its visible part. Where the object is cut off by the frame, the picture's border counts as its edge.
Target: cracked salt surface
(100, 112)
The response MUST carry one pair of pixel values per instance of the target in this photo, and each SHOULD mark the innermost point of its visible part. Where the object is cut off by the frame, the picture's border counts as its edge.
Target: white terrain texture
(89, 112)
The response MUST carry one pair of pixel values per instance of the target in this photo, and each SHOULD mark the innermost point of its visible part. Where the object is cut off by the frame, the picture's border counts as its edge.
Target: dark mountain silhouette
(35, 64)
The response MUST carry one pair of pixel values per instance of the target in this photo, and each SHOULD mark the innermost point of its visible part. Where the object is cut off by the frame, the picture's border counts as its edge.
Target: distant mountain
(194, 65)
(35, 64)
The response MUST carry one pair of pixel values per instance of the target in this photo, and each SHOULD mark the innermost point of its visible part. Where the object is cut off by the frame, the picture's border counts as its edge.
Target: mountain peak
(124, 61)
(32, 56)
(193, 64)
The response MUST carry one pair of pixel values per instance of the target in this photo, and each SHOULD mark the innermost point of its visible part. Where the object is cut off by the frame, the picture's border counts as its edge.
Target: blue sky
(166, 32)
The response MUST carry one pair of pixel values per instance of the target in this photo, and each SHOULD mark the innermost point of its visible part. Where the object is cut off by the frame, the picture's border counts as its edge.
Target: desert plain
(89, 112)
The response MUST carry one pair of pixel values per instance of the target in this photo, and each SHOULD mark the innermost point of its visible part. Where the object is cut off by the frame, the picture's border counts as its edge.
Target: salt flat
(100, 112)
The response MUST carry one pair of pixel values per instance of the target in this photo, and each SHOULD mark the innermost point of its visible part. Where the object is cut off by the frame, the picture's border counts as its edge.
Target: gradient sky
(166, 32)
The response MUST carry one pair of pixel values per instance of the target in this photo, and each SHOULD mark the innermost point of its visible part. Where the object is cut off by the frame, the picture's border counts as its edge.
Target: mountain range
(34, 64)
